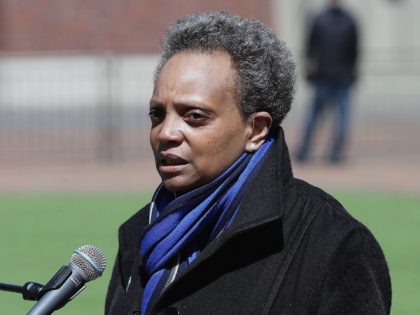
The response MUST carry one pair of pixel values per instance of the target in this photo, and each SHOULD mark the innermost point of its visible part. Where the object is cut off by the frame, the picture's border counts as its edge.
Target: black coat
(332, 48)
(292, 249)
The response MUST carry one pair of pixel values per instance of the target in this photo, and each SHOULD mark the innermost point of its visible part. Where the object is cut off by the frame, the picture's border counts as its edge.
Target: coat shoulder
(339, 261)
(302, 197)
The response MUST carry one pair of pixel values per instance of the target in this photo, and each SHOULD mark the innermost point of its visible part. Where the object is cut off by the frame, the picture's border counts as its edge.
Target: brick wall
(97, 25)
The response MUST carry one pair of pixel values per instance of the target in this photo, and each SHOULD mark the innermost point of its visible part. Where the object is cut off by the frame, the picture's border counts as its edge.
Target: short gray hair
(264, 65)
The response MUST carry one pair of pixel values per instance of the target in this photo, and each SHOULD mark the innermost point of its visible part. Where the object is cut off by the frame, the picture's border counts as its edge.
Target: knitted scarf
(181, 226)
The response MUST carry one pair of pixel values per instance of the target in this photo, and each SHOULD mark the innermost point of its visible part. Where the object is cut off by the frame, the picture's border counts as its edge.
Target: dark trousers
(334, 97)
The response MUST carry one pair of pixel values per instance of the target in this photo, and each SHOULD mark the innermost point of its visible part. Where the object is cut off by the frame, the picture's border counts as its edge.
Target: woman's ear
(259, 124)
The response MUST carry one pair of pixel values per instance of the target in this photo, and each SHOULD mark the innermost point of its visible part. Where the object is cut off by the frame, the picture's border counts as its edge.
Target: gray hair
(264, 65)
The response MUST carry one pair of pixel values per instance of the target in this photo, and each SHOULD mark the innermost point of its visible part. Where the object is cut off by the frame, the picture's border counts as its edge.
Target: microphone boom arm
(31, 291)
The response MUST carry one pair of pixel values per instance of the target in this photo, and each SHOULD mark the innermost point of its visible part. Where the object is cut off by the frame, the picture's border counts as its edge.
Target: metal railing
(74, 108)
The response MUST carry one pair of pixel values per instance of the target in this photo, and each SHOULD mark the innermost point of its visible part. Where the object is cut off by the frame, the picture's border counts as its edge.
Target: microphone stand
(30, 290)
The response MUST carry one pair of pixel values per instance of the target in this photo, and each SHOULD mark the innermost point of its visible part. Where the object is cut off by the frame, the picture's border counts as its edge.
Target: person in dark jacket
(331, 53)
(230, 230)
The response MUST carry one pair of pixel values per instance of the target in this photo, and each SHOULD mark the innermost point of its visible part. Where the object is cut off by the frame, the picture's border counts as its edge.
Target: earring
(252, 147)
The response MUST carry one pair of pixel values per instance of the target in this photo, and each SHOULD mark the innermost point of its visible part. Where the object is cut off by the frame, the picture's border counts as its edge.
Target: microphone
(87, 263)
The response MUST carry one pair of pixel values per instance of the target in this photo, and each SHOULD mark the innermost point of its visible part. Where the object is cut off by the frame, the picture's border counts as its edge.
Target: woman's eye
(195, 118)
(156, 115)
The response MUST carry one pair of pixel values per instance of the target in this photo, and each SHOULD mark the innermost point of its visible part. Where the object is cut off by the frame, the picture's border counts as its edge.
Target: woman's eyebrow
(192, 103)
(154, 104)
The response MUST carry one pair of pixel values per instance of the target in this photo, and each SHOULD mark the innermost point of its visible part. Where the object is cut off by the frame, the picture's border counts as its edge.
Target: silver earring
(253, 147)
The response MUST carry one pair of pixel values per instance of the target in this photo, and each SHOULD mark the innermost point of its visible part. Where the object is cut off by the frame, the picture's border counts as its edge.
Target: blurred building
(76, 76)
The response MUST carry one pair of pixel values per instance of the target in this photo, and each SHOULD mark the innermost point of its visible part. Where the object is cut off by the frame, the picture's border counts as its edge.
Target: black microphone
(87, 263)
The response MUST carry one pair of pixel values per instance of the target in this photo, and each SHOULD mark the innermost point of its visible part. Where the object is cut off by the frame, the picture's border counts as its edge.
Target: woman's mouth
(170, 163)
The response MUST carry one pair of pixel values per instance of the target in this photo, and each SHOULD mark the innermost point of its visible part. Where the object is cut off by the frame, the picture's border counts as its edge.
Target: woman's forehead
(210, 75)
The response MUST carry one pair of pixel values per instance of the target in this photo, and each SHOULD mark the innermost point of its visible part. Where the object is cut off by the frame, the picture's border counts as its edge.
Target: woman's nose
(171, 130)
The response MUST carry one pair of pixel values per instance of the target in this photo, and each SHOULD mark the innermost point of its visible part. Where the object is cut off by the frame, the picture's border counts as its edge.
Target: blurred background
(75, 80)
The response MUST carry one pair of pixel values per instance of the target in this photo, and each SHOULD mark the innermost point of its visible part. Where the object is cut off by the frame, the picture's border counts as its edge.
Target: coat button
(170, 311)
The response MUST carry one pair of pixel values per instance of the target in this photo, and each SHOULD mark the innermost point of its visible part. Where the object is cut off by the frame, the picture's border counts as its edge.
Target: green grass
(39, 232)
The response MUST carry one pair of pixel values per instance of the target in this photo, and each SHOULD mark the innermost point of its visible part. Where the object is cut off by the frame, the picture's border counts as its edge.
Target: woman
(229, 230)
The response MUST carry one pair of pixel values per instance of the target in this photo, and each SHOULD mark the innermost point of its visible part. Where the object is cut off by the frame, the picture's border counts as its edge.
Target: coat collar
(264, 201)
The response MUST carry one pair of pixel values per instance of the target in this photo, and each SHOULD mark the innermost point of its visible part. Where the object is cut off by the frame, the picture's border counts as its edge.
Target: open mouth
(171, 160)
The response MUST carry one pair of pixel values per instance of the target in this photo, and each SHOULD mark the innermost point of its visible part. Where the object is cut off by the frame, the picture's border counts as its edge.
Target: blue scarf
(180, 227)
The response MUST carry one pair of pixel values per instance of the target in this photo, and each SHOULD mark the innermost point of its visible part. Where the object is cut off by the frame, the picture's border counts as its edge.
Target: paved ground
(379, 160)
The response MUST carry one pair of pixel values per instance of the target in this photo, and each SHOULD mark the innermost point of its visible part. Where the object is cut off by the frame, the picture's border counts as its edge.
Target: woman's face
(197, 130)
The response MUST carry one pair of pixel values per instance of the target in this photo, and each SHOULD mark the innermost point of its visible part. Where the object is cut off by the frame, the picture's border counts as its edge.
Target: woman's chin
(177, 185)
(180, 184)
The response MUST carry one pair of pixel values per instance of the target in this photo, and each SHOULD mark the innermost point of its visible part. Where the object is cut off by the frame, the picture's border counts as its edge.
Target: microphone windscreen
(90, 261)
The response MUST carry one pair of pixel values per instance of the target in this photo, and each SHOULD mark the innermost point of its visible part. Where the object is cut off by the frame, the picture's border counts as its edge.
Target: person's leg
(341, 123)
(311, 121)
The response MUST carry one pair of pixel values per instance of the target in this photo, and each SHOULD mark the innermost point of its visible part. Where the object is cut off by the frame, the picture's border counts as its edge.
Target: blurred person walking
(331, 57)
